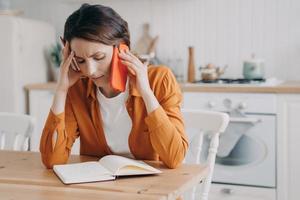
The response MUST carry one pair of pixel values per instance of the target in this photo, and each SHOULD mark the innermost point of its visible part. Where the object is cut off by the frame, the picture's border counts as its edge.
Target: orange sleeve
(166, 125)
(65, 125)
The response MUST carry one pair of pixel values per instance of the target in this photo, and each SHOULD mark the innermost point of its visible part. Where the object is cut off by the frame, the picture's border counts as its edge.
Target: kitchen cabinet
(22, 55)
(288, 159)
(287, 107)
(252, 160)
(40, 101)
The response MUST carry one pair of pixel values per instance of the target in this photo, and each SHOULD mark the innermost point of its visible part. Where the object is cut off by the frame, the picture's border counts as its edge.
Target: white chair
(198, 123)
(15, 131)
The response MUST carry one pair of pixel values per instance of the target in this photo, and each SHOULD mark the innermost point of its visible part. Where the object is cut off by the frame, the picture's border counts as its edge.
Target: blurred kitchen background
(223, 32)
(237, 56)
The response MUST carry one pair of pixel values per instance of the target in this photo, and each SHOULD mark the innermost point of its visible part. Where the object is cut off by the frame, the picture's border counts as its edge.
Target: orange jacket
(157, 135)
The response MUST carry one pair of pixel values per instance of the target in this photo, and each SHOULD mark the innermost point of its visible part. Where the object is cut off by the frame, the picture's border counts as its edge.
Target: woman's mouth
(96, 78)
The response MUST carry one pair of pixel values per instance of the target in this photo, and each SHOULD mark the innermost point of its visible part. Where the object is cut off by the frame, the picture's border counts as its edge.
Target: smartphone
(118, 77)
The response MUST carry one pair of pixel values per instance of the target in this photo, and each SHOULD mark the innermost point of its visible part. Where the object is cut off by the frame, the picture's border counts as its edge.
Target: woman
(144, 122)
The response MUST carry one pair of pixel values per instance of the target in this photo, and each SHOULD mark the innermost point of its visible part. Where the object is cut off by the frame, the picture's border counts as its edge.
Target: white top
(116, 122)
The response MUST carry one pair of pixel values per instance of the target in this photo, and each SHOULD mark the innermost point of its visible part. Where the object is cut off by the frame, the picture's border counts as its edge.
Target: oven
(247, 150)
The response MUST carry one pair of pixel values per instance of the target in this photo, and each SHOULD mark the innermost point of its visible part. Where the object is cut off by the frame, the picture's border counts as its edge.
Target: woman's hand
(139, 74)
(67, 77)
(137, 70)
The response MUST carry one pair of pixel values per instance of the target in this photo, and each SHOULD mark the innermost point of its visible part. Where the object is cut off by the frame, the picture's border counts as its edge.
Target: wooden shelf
(11, 12)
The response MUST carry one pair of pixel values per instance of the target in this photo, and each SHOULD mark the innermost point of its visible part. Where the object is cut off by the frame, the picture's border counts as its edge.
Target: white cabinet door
(288, 161)
(39, 105)
(233, 192)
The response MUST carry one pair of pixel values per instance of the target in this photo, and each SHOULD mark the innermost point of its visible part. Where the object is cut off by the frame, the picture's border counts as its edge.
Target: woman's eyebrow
(98, 52)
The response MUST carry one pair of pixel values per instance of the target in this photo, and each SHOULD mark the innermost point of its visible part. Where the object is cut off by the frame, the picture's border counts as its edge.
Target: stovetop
(233, 81)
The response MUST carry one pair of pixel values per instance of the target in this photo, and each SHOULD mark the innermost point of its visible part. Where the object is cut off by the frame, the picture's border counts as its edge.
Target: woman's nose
(91, 69)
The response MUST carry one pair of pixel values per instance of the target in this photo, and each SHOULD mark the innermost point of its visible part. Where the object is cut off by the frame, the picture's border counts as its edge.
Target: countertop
(291, 87)
(41, 86)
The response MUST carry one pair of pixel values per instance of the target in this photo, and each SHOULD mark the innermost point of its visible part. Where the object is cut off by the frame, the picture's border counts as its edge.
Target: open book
(107, 168)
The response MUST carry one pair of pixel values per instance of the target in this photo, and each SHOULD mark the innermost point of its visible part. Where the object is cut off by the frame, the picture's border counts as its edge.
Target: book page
(82, 172)
(122, 166)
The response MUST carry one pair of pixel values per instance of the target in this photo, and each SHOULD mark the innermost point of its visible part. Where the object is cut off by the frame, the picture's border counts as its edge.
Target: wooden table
(22, 176)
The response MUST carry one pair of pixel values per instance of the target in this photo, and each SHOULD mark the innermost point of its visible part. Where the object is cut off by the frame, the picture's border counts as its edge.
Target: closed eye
(80, 61)
(97, 58)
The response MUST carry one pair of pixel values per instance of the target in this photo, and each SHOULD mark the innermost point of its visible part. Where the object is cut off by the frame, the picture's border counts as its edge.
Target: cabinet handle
(211, 104)
(227, 191)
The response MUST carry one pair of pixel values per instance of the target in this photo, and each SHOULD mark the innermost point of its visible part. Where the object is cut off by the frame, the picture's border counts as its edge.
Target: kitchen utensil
(253, 68)
(210, 72)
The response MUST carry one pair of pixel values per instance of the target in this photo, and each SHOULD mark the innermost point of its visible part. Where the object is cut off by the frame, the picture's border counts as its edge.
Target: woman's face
(93, 59)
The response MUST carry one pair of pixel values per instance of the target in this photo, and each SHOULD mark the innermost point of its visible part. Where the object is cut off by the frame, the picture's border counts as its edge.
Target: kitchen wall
(222, 31)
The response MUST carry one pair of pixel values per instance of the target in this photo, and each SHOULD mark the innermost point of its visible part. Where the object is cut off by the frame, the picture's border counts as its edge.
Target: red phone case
(119, 72)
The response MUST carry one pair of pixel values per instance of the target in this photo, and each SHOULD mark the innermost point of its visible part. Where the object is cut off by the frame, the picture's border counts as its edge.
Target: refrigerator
(24, 44)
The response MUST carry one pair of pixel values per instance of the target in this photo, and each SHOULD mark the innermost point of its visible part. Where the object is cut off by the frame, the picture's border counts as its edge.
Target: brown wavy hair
(97, 23)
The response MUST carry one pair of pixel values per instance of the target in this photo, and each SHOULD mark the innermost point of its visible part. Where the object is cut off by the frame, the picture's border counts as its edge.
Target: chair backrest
(208, 122)
(15, 131)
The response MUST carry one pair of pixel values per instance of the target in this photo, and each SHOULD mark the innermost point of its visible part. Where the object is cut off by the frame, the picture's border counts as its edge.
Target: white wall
(222, 31)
